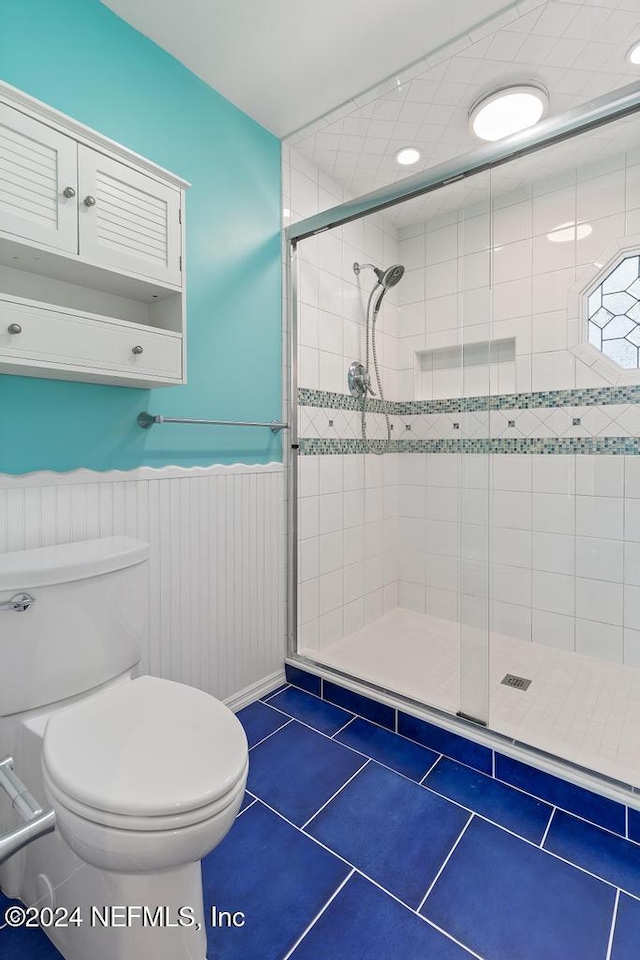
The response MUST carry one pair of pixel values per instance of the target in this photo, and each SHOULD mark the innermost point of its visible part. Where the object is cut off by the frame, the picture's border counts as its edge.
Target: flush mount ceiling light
(407, 156)
(634, 54)
(565, 232)
(508, 111)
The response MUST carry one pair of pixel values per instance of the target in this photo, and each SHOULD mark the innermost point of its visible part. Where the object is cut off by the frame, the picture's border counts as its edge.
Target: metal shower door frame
(599, 112)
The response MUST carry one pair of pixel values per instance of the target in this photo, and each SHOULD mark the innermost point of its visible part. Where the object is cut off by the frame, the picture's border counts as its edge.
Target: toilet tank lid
(44, 566)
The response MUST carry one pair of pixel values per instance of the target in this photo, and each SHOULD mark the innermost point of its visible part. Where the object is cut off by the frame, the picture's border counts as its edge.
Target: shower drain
(520, 683)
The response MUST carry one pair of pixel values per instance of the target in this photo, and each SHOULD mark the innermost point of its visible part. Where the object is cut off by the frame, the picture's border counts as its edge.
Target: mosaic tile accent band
(342, 401)
(585, 397)
(587, 421)
(617, 446)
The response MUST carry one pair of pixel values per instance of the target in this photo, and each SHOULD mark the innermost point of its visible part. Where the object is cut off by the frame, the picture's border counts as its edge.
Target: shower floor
(580, 708)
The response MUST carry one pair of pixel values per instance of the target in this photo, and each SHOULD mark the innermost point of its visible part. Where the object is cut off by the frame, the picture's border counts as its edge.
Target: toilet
(145, 775)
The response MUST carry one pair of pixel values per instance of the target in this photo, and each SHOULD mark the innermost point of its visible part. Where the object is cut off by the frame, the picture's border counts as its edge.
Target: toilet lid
(147, 747)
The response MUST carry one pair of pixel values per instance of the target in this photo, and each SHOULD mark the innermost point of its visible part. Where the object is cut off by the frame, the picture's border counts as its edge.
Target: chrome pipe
(146, 420)
(294, 454)
(15, 840)
(37, 822)
(596, 113)
(23, 802)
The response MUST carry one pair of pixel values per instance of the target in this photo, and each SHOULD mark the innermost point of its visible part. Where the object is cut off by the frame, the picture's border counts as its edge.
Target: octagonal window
(614, 314)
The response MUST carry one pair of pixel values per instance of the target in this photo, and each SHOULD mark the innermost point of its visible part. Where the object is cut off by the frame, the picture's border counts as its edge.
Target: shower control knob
(14, 328)
(137, 350)
(68, 192)
(89, 201)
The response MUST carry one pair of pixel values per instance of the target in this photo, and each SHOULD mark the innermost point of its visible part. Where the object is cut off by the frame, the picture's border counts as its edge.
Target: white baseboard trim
(255, 690)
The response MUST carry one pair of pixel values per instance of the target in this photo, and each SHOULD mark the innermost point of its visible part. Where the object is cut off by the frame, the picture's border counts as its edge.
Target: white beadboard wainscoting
(217, 591)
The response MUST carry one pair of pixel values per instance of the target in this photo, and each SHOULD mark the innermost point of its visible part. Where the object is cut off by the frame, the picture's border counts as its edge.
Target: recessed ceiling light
(634, 54)
(565, 232)
(408, 156)
(508, 111)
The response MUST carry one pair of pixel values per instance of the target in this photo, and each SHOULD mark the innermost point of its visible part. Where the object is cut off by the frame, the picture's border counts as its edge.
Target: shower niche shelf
(91, 254)
(471, 369)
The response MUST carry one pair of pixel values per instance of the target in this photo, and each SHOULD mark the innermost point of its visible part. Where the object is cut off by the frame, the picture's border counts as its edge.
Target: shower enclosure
(484, 562)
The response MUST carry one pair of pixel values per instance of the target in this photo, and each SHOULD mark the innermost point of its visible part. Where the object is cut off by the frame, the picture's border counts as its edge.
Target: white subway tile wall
(347, 504)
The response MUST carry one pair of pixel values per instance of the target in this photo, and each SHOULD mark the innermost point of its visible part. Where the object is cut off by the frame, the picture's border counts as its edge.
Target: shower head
(386, 278)
(389, 277)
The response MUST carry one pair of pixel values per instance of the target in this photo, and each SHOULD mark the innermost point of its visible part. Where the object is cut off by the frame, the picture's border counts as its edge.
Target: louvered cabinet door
(37, 166)
(127, 220)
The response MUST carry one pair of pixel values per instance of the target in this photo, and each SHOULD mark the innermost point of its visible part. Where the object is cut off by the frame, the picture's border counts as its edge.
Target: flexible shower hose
(372, 322)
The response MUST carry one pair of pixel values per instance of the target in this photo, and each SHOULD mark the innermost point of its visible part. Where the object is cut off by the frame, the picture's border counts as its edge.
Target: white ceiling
(576, 48)
(287, 62)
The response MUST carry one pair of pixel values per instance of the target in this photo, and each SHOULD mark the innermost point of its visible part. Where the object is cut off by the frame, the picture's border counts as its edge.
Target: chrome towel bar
(146, 420)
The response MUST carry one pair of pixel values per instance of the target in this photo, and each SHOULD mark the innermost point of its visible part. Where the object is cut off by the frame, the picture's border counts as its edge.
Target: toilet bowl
(145, 775)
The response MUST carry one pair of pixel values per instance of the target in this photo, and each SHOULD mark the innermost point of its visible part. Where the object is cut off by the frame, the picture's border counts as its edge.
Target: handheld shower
(386, 279)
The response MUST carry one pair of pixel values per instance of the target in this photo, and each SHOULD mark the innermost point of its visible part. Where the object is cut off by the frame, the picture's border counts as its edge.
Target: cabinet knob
(68, 192)
(89, 201)
(14, 328)
(137, 350)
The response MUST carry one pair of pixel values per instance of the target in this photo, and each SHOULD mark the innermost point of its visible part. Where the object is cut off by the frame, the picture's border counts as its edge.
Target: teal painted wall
(79, 57)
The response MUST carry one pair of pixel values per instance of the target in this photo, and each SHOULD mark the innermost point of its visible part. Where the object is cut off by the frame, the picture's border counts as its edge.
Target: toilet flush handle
(19, 603)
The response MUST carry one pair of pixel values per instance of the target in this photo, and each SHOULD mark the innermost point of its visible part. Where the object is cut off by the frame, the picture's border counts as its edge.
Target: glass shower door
(478, 372)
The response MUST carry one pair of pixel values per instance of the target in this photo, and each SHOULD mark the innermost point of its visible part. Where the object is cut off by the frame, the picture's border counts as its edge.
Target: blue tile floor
(354, 842)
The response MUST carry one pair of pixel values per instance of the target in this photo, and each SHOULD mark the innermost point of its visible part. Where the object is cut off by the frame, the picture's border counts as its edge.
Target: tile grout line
(374, 722)
(420, 916)
(480, 816)
(614, 919)
(549, 803)
(354, 716)
(431, 769)
(319, 914)
(444, 863)
(309, 836)
(248, 807)
(274, 693)
(359, 770)
(348, 747)
(335, 734)
(544, 835)
(269, 735)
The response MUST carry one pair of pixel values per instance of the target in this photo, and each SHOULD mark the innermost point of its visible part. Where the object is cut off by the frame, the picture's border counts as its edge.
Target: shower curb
(600, 800)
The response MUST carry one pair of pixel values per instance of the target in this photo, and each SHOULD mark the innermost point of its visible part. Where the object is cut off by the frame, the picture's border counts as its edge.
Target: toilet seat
(149, 754)
(156, 823)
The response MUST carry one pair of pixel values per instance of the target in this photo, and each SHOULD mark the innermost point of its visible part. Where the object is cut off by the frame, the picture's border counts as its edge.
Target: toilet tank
(88, 624)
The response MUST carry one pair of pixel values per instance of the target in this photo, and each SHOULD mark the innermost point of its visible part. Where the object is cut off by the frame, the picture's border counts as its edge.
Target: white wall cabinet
(37, 165)
(127, 220)
(91, 254)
